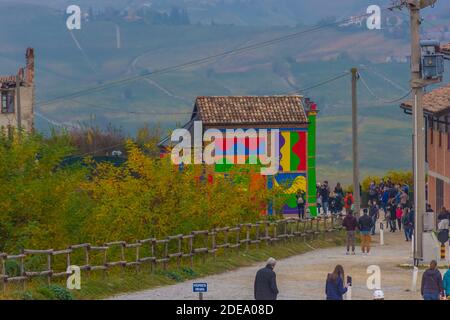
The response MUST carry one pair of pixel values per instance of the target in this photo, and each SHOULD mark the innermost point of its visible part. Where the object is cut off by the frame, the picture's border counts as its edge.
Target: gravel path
(302, 277)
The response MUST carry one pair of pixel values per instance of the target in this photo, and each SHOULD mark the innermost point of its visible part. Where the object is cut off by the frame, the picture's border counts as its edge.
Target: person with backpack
(348, 202)
(407, 225)
(350, 224)
(432, 287)
(334, 287)
(373, 214)
(301, 202)
(365, 227)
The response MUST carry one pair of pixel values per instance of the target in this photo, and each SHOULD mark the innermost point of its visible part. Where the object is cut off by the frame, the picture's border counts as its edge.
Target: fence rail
(161, 252)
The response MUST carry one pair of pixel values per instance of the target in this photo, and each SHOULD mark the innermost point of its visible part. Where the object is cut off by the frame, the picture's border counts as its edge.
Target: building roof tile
(250, 110)
(436, 101)
(446, 48)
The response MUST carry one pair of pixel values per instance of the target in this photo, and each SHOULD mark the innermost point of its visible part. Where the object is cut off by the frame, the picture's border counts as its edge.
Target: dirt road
(302, 277)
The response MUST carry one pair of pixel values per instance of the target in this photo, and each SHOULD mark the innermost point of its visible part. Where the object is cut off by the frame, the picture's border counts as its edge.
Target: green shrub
(189, 272)
(12, 268)
(55, 292)
(23, 295)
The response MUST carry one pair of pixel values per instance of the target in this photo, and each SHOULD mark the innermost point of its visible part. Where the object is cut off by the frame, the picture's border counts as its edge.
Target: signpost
(381, 234)
(200, 287)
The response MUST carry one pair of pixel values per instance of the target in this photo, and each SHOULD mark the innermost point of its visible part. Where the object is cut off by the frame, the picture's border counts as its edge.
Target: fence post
(191, 249)
(275, 232)
(247, 233)
(166, 254)
(227, 245)
(238, 238)
(87, 262)
(153, 265)
(214, 244)
(105, 263)
(257, 235)
(22, 271)
(3, 272)
(138, 257)
(180, 250)
(49, 268)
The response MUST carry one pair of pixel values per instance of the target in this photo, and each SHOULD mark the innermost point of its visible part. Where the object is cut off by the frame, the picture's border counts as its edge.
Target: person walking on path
(365, 227)
(407, 224)
(301, 202)
(398, 216)
(373, 214)
(432, 287)
(350, 224)
(266, 282)
(334, 287)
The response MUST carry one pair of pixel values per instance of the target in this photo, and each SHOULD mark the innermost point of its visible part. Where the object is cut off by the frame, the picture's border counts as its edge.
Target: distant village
(174, 16)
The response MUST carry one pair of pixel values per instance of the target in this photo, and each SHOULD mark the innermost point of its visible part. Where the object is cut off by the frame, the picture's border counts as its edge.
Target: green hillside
(65, 65)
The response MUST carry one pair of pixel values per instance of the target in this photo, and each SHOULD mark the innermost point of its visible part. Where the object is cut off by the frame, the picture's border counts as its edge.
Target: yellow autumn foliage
(44, 204)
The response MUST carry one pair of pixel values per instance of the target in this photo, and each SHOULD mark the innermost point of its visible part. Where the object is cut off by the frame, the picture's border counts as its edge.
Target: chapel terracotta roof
(232, 110)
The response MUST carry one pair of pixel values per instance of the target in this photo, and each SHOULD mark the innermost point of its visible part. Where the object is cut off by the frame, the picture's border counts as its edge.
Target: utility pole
(355, 150)
(419, 133)
(417, 86)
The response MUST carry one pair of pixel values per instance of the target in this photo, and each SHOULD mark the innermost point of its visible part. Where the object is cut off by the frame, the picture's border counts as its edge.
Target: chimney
(30, 66)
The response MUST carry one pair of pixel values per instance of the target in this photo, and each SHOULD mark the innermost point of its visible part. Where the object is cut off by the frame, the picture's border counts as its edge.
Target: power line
(381, 99)
(291, 92)
(318, 84)
(380, 75)
(128, 112)
(201, 60)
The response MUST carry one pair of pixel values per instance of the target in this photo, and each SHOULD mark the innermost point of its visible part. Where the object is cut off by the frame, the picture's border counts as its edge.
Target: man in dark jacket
(365, 226)
(266, 282)
(432, 287)
(350, 224)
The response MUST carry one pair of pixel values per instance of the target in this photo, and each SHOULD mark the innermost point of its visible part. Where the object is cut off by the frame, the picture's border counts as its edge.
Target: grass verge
(98, 285)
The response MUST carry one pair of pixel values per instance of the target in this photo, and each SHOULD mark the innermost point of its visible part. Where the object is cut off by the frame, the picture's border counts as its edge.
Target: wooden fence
(161, 252)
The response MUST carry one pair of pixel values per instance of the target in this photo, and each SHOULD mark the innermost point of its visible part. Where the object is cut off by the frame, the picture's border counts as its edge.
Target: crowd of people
(433, 285)
(385, 197)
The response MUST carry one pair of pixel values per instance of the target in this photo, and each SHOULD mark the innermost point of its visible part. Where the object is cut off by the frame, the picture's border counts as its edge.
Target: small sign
(200, 287)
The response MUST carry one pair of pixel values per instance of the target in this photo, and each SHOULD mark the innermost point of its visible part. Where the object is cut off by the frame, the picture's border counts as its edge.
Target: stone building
(17, 97)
